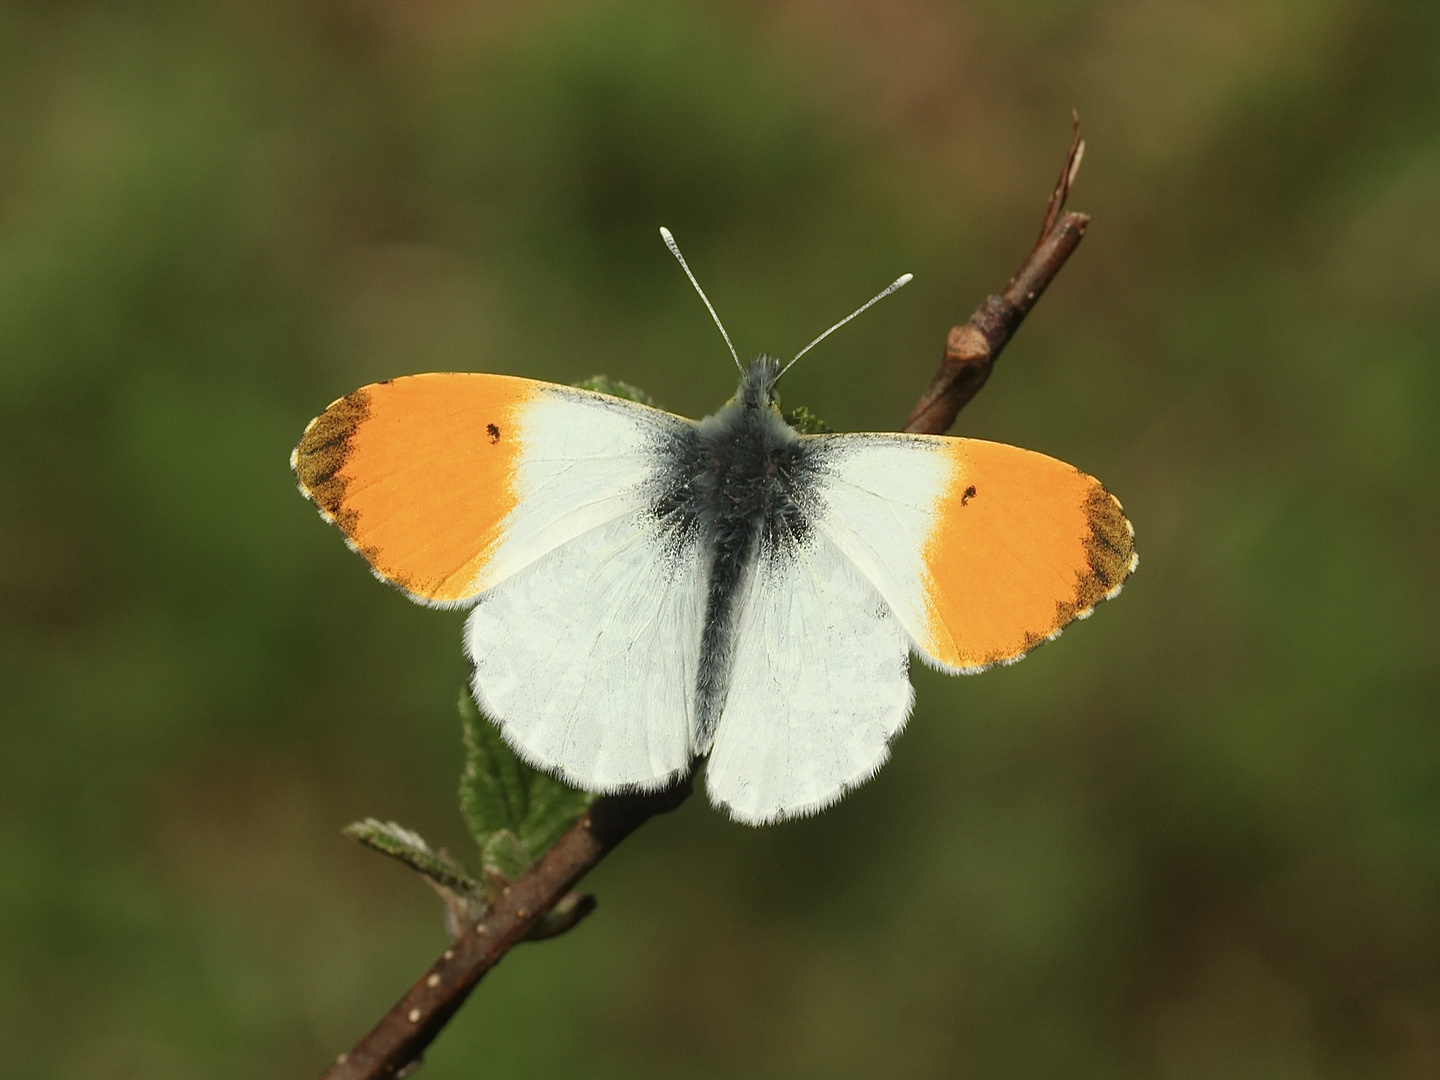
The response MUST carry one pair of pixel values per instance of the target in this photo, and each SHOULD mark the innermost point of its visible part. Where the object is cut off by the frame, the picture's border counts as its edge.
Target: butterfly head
(757, 383)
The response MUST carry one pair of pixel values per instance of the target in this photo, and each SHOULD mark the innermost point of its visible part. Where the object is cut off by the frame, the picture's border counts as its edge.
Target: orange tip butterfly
(646, 590)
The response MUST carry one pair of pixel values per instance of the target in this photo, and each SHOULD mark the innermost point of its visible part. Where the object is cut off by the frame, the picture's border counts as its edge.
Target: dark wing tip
(1109, 552)
(323, 450)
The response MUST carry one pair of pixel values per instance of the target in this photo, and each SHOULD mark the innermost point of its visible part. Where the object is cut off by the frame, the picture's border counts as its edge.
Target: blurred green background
(1198, 837)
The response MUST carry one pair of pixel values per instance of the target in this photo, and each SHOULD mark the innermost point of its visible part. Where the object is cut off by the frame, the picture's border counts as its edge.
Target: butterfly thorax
(737, 489)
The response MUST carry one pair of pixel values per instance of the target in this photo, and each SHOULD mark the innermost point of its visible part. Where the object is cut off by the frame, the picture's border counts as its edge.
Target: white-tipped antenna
(675, 250)
(902, 280)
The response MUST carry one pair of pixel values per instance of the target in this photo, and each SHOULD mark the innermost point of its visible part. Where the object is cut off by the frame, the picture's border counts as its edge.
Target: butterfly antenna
(902, 280)
(675, 250)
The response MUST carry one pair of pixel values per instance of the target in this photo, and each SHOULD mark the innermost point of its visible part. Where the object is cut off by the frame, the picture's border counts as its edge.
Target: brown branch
(395, 1045)
(971, 349)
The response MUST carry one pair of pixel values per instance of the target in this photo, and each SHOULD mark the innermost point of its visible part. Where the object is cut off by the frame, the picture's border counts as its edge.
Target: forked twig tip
(1067, 178)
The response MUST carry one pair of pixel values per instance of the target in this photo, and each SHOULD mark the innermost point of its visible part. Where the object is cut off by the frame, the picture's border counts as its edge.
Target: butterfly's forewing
(982, 550)
(448, 483)
(419, 473)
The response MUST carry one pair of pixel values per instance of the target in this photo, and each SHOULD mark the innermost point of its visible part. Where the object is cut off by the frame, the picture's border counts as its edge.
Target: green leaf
(514, 811)
(806, 422)
(554, 807)
(493, 793)
(398, 842)
(505, 855)
(603, 384)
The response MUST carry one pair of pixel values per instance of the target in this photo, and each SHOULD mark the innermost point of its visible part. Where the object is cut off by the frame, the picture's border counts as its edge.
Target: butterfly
(646, 590)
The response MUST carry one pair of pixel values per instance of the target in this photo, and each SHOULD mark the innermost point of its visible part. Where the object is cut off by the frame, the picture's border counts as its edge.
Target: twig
(972, 348)
(395, 1045)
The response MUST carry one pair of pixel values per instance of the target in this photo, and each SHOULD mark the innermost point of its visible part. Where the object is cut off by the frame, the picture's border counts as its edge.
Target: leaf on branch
(806, 422)
(466, 900)
(398, 842)
(504, 854)
(515, 812)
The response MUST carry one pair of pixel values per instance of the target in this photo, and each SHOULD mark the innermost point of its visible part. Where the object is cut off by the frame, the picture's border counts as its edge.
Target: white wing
(587, 658)
(819, 685)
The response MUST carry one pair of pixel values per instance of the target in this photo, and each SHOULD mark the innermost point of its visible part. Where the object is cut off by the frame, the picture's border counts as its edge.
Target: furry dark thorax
(737, 488)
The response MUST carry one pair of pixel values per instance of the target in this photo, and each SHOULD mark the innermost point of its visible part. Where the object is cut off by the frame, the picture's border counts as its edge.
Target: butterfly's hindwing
(819, 684)
(588, 658)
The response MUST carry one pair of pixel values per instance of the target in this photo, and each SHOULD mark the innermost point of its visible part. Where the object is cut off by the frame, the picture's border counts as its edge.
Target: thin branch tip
(972, 347)
(1068, 173)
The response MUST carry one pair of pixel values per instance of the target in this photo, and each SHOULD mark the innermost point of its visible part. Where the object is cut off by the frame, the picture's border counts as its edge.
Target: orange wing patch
(419, 474)
(1022, 545)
